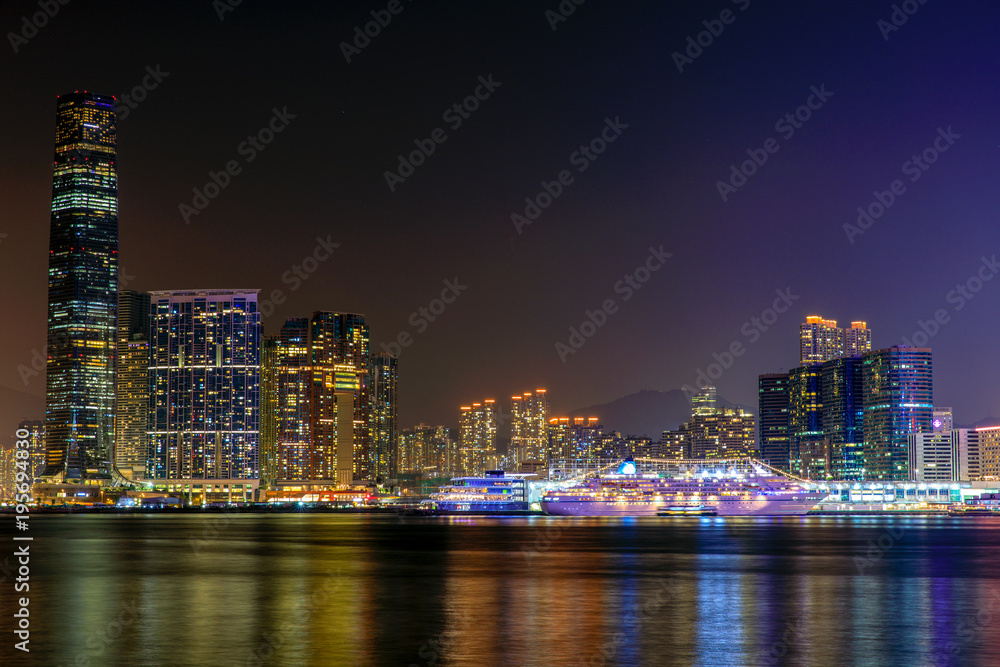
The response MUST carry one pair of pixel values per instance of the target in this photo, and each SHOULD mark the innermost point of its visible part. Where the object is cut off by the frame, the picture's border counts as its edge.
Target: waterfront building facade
(204, 379)
(773, 406)
(132, 384)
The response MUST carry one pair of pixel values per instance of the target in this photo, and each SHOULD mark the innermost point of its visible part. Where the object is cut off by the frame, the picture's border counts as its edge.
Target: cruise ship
(495, 491)
(726, 488)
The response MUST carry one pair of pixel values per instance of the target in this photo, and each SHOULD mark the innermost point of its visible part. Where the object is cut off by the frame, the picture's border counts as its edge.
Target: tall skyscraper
(898, 401)
(989, 453)
(529, 425)
(384, 416)
(704, 402)
(425, 448)
(841, 393)
(478, 436)
(340, 398)
(292, 458)
(726, 433)
(269, 408)
(132, 384)
(822, 340)
(36, 444)
(83, 291)
(773, 415)
(204, 385)
(809, 450)
(857, 339)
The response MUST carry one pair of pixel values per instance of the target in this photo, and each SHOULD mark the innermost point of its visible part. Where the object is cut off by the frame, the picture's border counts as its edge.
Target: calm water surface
(321, 589)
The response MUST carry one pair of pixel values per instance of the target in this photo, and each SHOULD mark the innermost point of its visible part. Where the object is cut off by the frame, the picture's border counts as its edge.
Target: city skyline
(324, 262)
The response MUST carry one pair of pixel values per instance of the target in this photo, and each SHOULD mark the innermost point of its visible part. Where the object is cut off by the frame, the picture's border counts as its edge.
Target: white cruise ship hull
(793, 506)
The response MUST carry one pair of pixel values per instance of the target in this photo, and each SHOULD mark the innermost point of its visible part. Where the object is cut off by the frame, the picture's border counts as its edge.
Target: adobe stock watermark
(915, 167)
(629, 284)
(581, 158)
(30, 25)
(249, 148)
(787, 125)
(298, 274)
(697, 44)
(435, 648)
(421, 318)
(223, 7)
(752, 329)
(959, 297)
(900, 14)
(381, 18)
(454, 116)
(563, 11)
(149, 83)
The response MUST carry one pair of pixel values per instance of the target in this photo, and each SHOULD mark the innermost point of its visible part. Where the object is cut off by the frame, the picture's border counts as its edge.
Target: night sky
(886, 95)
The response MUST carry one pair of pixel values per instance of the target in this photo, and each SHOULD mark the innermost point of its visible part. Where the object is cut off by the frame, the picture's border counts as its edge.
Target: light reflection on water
(320, 589)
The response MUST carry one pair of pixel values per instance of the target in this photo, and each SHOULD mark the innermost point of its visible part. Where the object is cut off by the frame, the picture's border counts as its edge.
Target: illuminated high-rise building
(806, 441)
(384, 376)
(898, 401)
(704, 402)
(822, 340)
(529, 436)
(857, 339)
(8, 474)
(339, 398)
(575, 437)
(269, 402)
(425, 449)
(989, 453)
(36, 444)
(478, 438)
(841, 394)
(726, 433)
(132, 384)
(82, 291)
(292, 377)
(772, 394)
(204, 378)
(965, 444)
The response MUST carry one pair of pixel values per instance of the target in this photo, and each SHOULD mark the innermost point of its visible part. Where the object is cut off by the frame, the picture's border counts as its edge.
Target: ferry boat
(972, 510)
(496, 491)
(750, 488)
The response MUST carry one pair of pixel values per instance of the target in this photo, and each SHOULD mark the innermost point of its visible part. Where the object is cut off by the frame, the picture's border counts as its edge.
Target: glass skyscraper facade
(384, 376)
(842, 416)
(773, 415)
(204, 375)
(82, 291)
(898, 401)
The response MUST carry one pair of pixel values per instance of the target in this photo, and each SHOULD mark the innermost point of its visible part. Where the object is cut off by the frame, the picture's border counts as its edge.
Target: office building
(132, 384)
(841, 417)
(384, 376)
(989, 453)
(704, 402)
(529, 436)
(898, 401)
(933, 458)
(204, 385)
(82, 292)
(942, 420)
(772, 392)
(965, 441)
(477, 438)
(807, 442)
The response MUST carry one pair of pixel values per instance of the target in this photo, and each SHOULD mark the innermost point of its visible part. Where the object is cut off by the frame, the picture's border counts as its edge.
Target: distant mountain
(645, 412)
